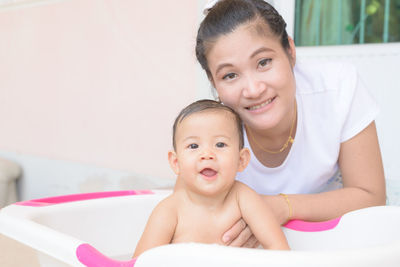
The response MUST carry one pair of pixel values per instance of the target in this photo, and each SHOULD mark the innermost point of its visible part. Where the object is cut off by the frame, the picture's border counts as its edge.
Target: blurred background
(89, 89)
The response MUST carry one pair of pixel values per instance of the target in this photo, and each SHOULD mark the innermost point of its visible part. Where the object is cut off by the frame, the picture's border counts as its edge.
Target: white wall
(91, 85)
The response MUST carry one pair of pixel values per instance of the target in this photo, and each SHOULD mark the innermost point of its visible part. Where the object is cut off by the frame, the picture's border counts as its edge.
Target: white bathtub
(102, 229)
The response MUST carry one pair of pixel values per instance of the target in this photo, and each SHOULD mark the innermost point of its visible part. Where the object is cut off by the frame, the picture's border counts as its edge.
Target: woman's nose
(253, 87)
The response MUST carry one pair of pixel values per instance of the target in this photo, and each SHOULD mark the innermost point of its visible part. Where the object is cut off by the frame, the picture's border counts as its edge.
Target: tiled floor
(15, 254)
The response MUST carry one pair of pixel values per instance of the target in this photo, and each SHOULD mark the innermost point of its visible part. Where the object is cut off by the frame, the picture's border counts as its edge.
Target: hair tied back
(209, 6)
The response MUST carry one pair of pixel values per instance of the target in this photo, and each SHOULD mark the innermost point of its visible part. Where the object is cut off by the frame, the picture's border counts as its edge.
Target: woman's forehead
(246, 38)
(256, 28)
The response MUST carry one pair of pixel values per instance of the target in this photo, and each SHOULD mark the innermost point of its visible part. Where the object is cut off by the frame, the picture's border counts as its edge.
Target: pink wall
(96, 81)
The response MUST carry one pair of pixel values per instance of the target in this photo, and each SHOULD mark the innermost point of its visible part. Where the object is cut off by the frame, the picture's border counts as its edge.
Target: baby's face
(207, 155)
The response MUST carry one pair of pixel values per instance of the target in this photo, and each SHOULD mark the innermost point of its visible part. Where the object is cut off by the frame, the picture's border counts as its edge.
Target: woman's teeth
(261, 105)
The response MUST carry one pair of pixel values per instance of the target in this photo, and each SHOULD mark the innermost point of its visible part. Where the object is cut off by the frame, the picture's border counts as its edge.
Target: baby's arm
(160, 227)
(260, 219)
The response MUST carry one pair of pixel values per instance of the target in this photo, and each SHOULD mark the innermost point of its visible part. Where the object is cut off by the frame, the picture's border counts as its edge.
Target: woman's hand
(240, 235)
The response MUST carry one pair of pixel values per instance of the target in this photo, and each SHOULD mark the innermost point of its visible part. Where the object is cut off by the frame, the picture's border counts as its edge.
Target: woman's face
(252, 74)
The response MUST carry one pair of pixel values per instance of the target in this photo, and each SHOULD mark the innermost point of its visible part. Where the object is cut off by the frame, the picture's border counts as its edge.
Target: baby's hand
(240, 235)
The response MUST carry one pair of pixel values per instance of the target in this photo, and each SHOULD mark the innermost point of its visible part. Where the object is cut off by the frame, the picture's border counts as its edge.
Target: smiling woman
(310, 127)
(272, 62)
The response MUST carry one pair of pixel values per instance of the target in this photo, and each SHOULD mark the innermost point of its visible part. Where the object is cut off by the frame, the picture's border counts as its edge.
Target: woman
(310, 127)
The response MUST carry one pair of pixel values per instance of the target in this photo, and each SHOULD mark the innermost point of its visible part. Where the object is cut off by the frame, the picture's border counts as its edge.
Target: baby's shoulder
(168, 204)
(239, 186)
(241, 189)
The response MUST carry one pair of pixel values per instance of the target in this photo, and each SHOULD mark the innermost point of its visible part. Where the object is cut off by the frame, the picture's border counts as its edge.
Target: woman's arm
(361, 166)
(160, 227)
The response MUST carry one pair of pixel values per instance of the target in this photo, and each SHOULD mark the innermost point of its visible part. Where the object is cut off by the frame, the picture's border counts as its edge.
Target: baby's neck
(211, 203)
(208, 201)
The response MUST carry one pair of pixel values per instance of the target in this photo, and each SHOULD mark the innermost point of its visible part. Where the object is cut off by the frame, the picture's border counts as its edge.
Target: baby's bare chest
(197, 225)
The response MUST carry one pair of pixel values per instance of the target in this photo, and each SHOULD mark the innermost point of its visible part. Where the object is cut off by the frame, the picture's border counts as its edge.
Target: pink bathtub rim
(91, 257)
(80, 197)
(304, 226)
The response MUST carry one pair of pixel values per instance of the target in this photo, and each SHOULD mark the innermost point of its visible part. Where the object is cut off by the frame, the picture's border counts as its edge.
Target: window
(337, 22)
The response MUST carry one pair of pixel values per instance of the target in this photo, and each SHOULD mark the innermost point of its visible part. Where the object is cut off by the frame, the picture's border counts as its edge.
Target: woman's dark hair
(206, 104)
(227, 15)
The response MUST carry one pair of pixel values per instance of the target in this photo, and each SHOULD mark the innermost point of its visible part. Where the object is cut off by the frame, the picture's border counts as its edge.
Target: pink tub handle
(91, 257)
(80, 197)
(304, 226)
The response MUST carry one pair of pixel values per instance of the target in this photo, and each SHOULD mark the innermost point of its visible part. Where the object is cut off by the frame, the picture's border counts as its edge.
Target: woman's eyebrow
(260, 50)
(223, 65)
(255, 53)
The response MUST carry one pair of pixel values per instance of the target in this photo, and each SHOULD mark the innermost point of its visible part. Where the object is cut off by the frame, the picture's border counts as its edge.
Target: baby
(207, 201)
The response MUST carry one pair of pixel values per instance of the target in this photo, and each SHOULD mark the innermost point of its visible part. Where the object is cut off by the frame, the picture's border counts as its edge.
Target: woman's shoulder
(319, 76)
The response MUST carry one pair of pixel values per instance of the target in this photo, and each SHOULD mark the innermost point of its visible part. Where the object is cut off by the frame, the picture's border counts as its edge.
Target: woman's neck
(273, 140)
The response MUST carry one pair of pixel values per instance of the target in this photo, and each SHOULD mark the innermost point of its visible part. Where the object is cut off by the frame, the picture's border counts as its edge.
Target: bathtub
(102, 229)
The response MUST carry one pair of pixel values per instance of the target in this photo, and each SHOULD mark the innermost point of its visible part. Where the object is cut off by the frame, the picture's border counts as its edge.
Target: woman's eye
(193, 146)
(264, 62)
(229, 76)
(220, 144)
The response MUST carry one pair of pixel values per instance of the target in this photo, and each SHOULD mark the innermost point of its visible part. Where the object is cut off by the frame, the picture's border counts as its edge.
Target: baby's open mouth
(208, 172)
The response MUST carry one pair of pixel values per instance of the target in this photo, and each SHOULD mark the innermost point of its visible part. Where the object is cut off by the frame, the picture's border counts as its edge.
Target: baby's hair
(227, 15)
(207, 105)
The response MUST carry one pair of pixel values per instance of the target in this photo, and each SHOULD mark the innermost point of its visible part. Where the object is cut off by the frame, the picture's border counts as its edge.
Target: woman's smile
(259, 107)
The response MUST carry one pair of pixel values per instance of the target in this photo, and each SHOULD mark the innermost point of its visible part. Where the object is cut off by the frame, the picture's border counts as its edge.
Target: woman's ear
(173, 161)
(213, 89)
(210, 78)
(292, 51)
(244, 158)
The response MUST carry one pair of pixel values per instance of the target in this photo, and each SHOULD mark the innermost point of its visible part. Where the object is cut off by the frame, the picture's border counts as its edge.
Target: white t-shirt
(333, 106)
